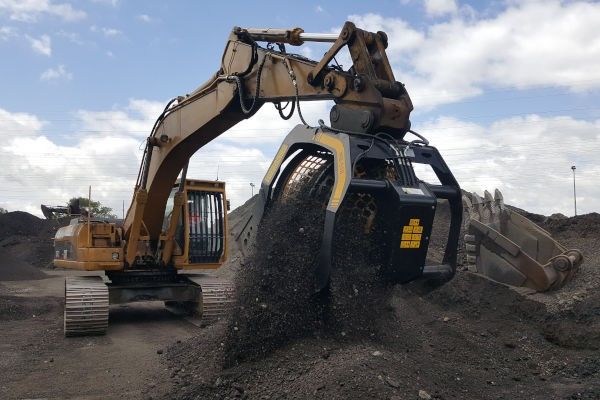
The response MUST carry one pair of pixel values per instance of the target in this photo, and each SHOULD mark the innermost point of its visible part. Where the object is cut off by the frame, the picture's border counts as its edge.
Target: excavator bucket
(325, 161)
(509, 248)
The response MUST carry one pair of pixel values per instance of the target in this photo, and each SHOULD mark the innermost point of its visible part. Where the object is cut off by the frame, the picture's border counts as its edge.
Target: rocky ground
(469, 339)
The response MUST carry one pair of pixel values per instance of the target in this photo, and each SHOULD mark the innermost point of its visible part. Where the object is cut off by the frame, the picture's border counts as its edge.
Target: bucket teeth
(488, 197)
(499, 199)
(511, 249)
(468, 212)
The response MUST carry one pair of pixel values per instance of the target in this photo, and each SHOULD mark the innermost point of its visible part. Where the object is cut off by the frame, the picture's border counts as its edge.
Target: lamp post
(574, 190)
(252, 188)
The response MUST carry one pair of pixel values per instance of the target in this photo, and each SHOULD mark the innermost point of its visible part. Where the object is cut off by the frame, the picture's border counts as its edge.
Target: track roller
(86, 306)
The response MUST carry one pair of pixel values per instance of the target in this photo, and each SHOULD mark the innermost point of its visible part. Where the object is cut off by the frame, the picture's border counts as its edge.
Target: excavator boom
(367, 98)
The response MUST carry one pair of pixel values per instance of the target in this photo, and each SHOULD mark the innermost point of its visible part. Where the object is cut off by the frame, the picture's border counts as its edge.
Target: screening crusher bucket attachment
(509, 248)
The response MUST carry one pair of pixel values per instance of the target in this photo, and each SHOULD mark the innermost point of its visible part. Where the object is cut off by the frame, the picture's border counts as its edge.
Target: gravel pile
(469, 339)
(14, 269)
(29, 238)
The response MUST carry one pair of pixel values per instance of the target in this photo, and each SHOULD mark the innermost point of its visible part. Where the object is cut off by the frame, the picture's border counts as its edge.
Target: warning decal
(411, 234)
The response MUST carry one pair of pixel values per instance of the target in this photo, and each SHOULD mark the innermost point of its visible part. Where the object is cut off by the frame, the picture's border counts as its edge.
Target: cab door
(206, 226)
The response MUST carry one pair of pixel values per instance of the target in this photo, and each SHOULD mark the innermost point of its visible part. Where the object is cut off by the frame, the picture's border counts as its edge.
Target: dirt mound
(274, 286)
(581, 225)
(19, 223)
(469, 339)
(28, 237)
(236, 222)
(587, 225)
(14, 269)
(276, 290)
(577, 327)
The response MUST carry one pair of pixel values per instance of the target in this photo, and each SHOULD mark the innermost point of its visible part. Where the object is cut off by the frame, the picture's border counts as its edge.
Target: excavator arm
(362, 153)
(367, 100)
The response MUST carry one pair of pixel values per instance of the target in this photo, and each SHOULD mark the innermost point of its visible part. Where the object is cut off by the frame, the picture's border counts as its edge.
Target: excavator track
(86, 306)
(217, 299)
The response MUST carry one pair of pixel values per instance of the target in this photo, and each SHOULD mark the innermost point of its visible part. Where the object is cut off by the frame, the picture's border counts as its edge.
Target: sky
(508, 91)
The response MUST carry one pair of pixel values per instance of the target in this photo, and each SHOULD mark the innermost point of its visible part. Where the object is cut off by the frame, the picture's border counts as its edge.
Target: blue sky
(507, 90)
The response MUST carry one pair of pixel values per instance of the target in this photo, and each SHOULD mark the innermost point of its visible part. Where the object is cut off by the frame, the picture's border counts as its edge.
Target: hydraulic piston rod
(295, 36)
(319, 37)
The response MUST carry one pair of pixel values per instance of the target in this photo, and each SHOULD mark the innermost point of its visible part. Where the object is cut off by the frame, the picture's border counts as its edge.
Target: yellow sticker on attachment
(412, 234)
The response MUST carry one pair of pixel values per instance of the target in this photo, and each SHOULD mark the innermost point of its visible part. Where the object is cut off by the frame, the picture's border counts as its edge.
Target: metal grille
(302, 174)
(206, 221)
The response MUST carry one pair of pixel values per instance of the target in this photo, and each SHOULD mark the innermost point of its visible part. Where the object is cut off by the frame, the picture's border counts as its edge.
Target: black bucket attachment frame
(409, 202)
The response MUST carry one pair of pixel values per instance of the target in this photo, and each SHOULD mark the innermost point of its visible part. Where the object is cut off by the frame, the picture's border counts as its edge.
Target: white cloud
(266, 127)
(42, 45)
(438, 8)
(107, 32)
(6, 32)
(529, 167)
(72, 37)
(105, 153)
(19, 122)
(526, 45)
(236, 164)
(145, 18)
(111, 32)
(55, 74)
(31, 10)
(134, 120)
(520, 156)
(32, 158)
(112, 3)
(319, 9)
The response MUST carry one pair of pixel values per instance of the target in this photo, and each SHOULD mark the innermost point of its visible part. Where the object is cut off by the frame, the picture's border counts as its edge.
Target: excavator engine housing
(97, 244)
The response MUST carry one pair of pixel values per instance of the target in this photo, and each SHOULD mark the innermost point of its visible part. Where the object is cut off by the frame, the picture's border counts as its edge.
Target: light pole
(574, 190)
(252, 188)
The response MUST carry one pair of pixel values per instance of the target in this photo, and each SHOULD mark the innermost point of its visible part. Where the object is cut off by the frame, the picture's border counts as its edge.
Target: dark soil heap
(29, 238)
(469, 339)
(277, 301)
(587, 225)
(14, 269)
(274, 287)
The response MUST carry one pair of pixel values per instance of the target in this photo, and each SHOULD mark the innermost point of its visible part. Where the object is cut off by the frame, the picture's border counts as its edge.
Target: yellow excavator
(367, 152)
(179, 224)
(365, 156)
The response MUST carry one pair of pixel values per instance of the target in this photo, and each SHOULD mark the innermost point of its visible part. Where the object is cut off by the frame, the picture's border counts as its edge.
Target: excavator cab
(200, 243)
